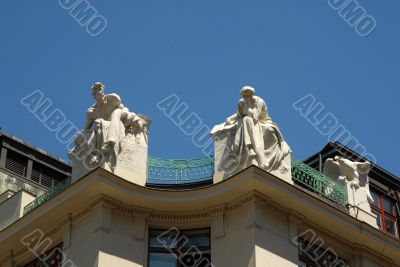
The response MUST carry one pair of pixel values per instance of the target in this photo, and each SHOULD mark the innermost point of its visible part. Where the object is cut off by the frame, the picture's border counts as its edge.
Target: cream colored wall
(253, 218)
(13, 208)
(236, 248)
(273, 245)
(254, 236)
(105, 238)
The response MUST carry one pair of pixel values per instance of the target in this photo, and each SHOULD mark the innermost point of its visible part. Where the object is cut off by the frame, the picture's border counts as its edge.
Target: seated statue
(109, 125)
(251, 137)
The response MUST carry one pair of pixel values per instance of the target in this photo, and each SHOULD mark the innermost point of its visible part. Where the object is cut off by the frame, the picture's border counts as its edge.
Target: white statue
(354, 176)
(110, 130)
(251, 137)
(347, 171)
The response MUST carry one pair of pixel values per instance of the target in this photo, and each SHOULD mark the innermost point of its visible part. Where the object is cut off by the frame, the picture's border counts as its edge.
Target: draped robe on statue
(114, 139)
(105, 126)
(254, 138)
(108, 127)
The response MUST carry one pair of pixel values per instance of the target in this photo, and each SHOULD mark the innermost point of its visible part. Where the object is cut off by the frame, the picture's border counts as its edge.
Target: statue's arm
(232, 119)
(239, 114)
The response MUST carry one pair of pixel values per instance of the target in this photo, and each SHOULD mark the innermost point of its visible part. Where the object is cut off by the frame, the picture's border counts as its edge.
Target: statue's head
(98, 90)
(247, 92)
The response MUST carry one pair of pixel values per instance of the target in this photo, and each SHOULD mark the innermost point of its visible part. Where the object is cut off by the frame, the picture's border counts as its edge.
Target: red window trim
(384, 214)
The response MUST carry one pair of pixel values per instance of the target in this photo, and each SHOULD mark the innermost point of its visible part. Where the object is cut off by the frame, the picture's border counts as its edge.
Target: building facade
(182, 218)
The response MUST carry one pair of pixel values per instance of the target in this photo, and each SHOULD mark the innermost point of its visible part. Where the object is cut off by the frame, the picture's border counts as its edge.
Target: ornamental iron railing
(169, 172)
(178, 171)
(58, 188)
(318, 183)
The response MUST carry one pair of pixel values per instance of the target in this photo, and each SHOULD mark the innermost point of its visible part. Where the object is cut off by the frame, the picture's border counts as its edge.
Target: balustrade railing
(177, 171)
(318, 183)
(59, 187)
(167, 171)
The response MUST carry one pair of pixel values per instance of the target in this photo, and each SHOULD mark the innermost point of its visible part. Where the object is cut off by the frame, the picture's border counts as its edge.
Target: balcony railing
(318, 183)
(167, 171)
(61, 186)
(178, 171)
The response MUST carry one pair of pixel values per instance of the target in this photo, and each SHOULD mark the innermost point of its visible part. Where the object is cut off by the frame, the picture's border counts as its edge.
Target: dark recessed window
(178, 248)
(45, 176)
(316, 256)
(52, 258)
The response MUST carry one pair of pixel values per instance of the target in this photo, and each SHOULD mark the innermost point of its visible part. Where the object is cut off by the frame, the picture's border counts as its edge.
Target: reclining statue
(110, 128)
(251, 137)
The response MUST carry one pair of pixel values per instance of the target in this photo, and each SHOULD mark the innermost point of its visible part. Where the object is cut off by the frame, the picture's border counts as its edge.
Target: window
(44, 176)
(175, 248)
(311, 255)
(16, 163)
(385, 210)
(52, 258)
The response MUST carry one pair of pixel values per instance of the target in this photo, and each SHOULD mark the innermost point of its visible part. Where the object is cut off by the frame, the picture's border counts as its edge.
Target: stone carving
(353, 175)
(113, 138)
(250, 137)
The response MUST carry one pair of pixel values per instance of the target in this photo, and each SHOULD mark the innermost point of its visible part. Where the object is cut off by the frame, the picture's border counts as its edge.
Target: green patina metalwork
(318, 183)
(169, 171)
(58, 188)
(180, 170)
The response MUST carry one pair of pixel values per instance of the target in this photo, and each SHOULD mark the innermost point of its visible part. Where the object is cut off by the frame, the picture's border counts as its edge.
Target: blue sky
(204, 52)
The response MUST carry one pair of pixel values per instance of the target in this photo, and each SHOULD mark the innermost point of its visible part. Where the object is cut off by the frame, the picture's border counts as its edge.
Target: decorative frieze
(102, 216)
(139, 229)
(66, 229)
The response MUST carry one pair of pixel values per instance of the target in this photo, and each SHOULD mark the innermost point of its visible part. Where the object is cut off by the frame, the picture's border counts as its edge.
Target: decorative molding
(257, 202)
(255, 211)
(343, 247)
(139, 229)
(294, 221)
(66, 230)
(102, 217)
(218, 227)
(101, 201)
(293, 231)
(135, 211)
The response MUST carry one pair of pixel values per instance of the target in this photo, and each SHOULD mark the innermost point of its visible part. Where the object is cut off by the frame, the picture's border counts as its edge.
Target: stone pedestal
(131, 162)
(226, 163)
(359, 206)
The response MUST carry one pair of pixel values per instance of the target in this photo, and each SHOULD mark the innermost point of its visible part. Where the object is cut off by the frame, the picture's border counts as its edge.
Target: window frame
(320, 251)
(380, 209)
(175, 251)
(39, 261)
